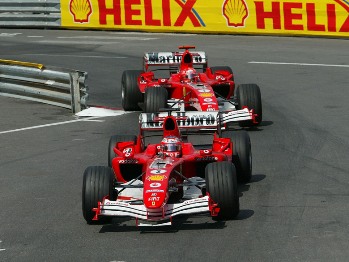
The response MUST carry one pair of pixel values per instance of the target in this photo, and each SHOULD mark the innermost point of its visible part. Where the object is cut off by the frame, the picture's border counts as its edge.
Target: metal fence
(50, 85)
(30, 13)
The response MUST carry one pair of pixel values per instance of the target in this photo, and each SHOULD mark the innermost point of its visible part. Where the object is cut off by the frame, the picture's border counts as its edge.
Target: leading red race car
(147, 182)
(191, 85)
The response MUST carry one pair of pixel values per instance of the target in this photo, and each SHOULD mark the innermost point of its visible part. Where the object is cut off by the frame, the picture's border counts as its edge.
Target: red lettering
(331, 18)
(274, 14)
(290, 16)
(148, 10)
(104, 11)
(345, 26)
(186, 13)
(130, 12)
(311, 14)
(166, 12)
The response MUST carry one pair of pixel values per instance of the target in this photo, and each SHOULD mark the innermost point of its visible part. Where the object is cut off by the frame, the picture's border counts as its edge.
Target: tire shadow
(244, 187)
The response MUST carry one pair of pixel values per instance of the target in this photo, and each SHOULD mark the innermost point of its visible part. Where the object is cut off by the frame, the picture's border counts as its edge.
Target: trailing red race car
(147, 182)
(190, 85)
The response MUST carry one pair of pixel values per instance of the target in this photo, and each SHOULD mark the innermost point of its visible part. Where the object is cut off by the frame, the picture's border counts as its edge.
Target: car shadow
(266, 123)
(180, 223)
(236, 127)
(259, 127)
(257, 178)
(244, 187)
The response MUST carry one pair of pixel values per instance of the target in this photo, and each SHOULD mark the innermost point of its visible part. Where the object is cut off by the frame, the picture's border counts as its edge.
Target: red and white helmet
(191, 73)
(171, 146)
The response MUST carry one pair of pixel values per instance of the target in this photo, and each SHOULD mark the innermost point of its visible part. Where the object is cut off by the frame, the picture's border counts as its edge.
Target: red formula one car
(147, 182)
(188, 83)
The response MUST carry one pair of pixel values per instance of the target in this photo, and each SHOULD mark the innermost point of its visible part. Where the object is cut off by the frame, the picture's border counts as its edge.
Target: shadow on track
(246, 187)
(179, 224)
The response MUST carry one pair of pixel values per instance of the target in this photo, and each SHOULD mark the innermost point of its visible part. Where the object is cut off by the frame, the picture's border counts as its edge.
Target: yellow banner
(279, 17)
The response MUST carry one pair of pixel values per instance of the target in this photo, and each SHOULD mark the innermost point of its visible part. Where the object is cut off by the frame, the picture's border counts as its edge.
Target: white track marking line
(300, 64)
(35, 36)
(9, 34)
(94, 120)
(48, 125)
(92, 114)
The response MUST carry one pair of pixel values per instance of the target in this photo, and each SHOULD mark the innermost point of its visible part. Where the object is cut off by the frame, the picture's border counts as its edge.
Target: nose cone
(155, 190)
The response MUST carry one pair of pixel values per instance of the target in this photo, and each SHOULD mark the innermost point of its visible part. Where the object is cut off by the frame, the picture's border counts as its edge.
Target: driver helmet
(191, 73)
(171, 146)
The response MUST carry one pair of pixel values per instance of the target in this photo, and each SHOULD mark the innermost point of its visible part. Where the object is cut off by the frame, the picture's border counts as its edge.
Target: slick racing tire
(97, 183)
(221, 185)
(115, 139)
(154, 99)
(242, 156)
(250, 95)
(130, 93)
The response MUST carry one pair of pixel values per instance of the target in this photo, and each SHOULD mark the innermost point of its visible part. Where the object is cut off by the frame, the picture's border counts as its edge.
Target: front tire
(250, 95)
(97, 183)
(242, 156)
(115, 139)
(221, 185)
(130, 93)
(154, 99)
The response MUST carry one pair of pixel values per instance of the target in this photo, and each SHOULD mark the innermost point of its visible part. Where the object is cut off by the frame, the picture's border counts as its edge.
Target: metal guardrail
(51, 85)
(30, 13)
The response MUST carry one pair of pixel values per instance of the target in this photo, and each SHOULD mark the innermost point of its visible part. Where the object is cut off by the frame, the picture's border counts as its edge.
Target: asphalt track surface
(296, 207)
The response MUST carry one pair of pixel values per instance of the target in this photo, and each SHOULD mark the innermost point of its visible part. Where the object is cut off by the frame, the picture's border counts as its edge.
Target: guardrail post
(75, 92)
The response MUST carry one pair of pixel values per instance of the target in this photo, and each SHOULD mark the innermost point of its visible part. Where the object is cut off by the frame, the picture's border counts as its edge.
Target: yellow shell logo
(235, 12)
(157, 178)
(81, 10)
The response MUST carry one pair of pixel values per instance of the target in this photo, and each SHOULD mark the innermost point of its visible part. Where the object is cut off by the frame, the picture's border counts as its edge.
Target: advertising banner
(277, 17)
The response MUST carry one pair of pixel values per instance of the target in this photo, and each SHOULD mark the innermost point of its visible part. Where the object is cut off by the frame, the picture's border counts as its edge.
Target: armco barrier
(30, 13)
(50, 85)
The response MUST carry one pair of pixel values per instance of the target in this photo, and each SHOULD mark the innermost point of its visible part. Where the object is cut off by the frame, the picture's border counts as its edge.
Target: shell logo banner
(278, 17)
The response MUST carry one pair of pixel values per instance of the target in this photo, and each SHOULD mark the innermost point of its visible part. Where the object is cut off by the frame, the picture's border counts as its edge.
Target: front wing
(139, 211)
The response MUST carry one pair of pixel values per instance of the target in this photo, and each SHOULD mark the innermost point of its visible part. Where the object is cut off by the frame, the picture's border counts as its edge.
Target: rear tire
(130, 93)
(115, 139)
(97, 183)
(250, 95)
(154, 99)
(221, 184)
(242, 156)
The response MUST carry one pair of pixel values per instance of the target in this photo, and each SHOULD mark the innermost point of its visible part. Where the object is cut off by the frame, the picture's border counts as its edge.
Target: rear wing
(210, 120)
(172, 59)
